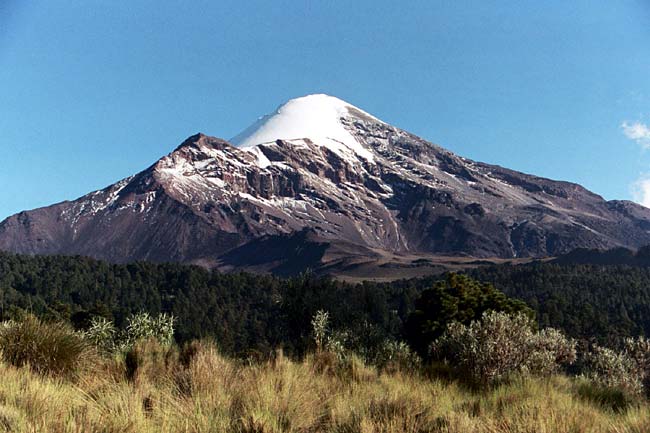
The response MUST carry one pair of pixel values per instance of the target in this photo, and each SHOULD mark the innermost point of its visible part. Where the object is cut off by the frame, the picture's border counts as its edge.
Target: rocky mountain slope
(321, 183)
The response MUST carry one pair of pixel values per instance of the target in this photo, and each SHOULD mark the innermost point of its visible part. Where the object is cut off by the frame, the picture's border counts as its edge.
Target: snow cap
(316, 117)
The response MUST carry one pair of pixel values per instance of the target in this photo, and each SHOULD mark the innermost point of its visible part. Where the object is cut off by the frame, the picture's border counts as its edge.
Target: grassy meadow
(157, 388)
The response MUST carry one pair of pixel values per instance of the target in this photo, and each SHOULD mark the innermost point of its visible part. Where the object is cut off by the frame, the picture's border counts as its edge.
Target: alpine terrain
(322, 184)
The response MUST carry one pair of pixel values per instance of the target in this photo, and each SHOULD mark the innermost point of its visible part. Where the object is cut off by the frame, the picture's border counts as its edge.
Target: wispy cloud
(637, 131)
(640, 133)
(641, 190)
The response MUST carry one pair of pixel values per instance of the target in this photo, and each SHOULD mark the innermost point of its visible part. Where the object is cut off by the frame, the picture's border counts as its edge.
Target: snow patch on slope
(316, 117)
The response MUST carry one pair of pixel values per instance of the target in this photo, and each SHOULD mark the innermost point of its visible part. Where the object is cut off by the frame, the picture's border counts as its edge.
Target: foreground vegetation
(199, 390)
(504, 376)
(87, 346)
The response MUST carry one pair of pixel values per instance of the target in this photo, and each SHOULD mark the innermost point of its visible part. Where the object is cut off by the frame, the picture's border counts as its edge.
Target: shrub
(331, 353)
(103, 334)
(638, 349)
(143, 326)
(336, 344)
(615, 370)
(319, 326)
(139, 327)
(548, 350)
(456, 299)
(328, 340)
(365, 339)
(499, 345)
(336, 348)
(47, 348)
(395, 356)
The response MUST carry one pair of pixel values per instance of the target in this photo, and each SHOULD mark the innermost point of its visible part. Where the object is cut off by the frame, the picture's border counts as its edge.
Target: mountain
(320, 183)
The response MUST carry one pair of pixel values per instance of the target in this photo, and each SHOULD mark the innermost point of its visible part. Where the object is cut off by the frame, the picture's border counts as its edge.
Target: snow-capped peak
(316, 117)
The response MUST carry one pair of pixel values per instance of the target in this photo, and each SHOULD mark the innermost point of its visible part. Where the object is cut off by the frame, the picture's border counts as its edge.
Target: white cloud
(637, 131)
(641, 190)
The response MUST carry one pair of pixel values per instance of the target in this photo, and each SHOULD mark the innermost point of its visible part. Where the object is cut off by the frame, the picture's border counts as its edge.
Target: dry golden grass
(201, 391)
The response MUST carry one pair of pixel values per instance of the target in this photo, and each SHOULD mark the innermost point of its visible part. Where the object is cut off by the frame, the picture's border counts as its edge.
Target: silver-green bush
(103, 334)
(395, 355)
(490, 350)
(320, 328)
(638, 349)
(627, 370)
(142, 326)
(548, 350)
(615, 370)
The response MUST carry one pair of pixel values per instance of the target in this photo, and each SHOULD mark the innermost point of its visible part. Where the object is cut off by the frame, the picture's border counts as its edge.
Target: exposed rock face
(356, 181)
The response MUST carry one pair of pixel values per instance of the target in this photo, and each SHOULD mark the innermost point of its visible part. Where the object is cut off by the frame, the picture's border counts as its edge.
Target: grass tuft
(47, 348)
(612, 398)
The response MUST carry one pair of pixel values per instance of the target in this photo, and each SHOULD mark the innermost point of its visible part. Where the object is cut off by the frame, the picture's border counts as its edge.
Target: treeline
(598, 302)
(246, 312)
(602, 303)
(242, 311)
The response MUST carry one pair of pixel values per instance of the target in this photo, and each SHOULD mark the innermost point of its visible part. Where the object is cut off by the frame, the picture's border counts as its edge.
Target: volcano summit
(321, 183)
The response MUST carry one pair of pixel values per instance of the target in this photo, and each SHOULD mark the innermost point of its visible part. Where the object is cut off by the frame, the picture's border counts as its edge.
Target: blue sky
(93, 91)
